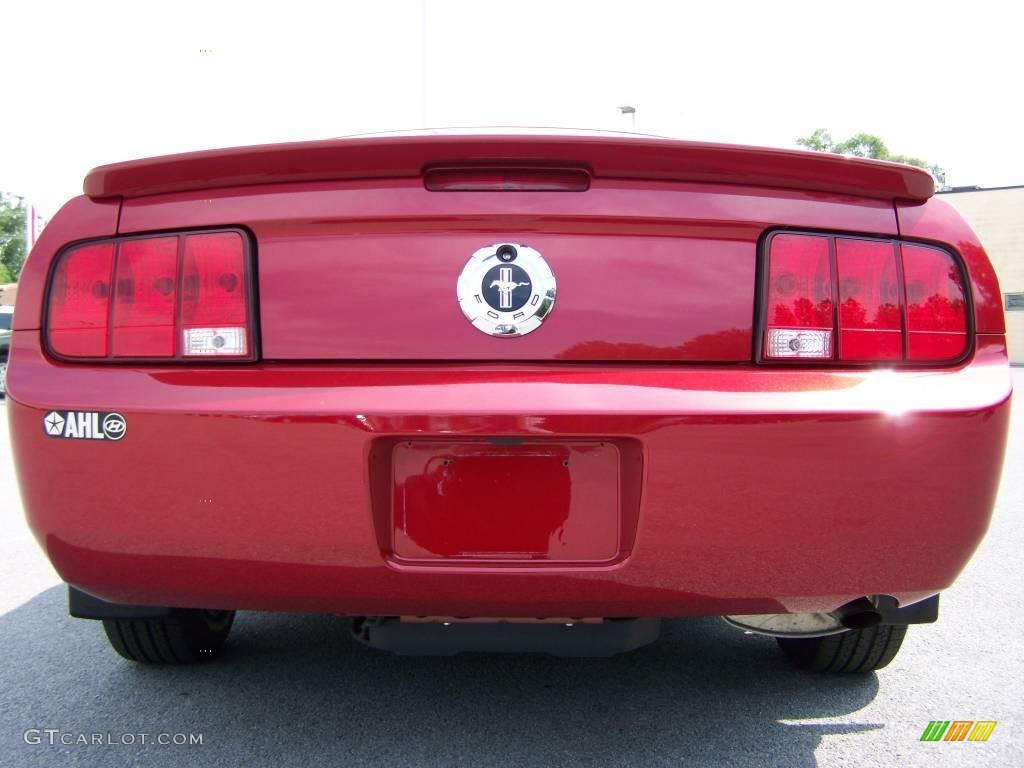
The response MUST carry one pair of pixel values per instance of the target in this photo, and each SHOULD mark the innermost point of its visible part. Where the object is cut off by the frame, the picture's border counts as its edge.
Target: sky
(89, 83)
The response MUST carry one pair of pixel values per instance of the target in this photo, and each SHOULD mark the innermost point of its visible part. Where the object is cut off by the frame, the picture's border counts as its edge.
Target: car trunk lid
(359, 252)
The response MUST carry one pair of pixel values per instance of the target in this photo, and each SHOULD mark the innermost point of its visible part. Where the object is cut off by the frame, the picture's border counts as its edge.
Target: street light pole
(631, 111)
(423, 63)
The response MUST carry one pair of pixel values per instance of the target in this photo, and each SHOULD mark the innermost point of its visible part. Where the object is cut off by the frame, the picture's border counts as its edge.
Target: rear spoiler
(603, 156)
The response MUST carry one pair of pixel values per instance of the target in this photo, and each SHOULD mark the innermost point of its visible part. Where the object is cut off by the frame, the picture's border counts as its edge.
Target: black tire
(857, 650)
(184, 637)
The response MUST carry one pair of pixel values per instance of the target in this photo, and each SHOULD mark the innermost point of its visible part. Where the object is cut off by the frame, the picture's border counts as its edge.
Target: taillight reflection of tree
(888, 316)
(853, 314)
(804, 313)
(936, 313)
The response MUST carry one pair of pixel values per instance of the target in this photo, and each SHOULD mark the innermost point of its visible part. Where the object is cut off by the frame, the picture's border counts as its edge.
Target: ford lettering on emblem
(506, 289)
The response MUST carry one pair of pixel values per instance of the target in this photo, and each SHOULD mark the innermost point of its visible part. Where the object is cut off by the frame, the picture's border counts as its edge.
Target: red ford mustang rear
(444, 382)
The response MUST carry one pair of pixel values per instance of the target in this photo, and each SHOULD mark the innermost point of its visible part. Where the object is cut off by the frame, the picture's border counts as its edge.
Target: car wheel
(858, 650)
(184, 637)
(3, 377)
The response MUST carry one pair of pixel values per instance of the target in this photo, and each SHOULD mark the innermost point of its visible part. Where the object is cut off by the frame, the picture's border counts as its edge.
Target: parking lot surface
(296, 690)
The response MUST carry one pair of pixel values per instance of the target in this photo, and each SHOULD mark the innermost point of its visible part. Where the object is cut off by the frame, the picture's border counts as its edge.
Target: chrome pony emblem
(506, 289)
(505, 285)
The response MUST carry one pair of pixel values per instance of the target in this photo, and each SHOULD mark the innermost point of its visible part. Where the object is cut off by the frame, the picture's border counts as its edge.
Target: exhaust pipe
(859, 614)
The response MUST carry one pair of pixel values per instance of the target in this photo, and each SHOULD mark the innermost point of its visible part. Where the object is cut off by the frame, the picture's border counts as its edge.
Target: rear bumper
(757, 491)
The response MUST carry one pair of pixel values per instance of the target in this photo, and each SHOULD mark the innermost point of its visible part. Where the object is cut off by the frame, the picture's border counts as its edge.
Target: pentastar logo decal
(85, 425)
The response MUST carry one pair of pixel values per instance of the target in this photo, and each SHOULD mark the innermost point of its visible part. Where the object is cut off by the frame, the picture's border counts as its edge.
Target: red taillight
(870, 327)
(936, 304)
(214, 300)
(799, 306)
(895, 302)
(173, 296)
(79, 305)
(145, 297)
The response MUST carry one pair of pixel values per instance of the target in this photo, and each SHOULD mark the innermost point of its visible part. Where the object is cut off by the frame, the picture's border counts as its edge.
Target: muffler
(861, 613)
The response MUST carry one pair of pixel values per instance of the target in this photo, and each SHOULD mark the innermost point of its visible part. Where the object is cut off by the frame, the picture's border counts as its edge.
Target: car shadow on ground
(295, 689)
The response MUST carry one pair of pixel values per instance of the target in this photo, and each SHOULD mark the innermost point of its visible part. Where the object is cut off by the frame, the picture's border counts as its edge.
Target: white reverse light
(200, 342)
(793, 342)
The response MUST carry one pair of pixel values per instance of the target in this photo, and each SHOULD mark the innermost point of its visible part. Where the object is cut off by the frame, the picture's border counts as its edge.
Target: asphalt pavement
(295, 690)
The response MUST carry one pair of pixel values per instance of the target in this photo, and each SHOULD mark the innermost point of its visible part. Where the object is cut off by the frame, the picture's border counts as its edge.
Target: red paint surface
(79, 219)
(762, 489)
(269, 485)
(607, 156)
(646, 271)
(939, 222)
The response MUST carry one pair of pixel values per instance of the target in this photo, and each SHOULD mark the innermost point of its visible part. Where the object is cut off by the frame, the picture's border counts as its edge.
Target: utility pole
(631, 111)
(423, 63)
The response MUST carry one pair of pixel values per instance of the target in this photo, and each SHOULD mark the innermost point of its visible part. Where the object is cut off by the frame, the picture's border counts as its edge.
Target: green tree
(866, 145)
(819, 141)
(12, 237)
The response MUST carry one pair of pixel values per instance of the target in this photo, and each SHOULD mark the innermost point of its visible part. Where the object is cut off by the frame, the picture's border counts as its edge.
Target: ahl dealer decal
(85, 425)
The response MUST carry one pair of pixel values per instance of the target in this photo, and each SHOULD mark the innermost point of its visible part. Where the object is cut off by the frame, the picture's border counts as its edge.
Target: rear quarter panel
(937, 221)
(79, 219)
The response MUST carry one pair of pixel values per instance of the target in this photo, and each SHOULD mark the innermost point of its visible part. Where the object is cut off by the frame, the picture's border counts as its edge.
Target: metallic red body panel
(764, 490)
(78, 219)
(333, 256)
(939, 222)
(503, 501)
(606, 156)
(738, 488)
